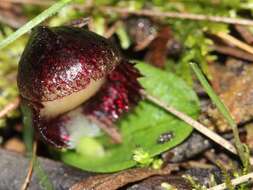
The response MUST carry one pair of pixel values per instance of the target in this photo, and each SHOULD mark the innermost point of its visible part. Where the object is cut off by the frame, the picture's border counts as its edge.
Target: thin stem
(9, 107)
(110, 130)
(34, 22)
(196, 125)
(234, 52)
(112, 29)
(245, 33)
(224, 111)
(232, 40)
(34, 2)
(177, 15)
(236, 181)
(144, 43)
(30, 169)
(41, 175)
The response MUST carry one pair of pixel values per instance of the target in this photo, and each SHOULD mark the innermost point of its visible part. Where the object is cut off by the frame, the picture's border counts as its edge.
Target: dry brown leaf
(234, 84)
(120, 179)
(15, 144)
(157, 52)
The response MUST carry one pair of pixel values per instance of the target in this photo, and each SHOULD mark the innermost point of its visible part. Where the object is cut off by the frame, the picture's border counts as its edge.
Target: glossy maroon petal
(62, 60)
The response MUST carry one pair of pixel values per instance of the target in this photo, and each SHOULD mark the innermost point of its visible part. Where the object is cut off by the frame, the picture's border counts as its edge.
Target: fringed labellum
(75, 83)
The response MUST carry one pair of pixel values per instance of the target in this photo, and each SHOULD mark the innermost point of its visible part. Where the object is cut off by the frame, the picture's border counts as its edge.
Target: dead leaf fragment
(157, 52)
(234, 84)
(15, 144)
(120, 179)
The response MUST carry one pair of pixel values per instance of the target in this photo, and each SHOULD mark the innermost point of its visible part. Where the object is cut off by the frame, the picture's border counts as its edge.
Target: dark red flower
(65, 67)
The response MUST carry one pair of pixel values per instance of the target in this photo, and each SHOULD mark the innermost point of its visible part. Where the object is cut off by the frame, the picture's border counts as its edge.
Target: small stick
(196, 125)
(109, 129)
(232, 40)
(10, 107)
(195, 164)
(245, 33)
(178, 15)
(144, 43)
(34, 2)
(112, 29)
(236, 181)
(234, 52)
(30, 169)
(79, 23)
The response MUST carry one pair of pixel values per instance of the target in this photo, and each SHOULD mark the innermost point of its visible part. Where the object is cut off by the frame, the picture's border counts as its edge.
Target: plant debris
(117, 180)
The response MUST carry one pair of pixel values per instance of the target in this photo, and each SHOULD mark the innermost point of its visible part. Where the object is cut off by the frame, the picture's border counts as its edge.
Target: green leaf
(143, 126)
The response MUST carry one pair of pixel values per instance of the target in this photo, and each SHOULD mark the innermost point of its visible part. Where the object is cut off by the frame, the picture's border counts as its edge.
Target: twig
(245, 33)
(196, 125)
(212, 158)
(79, 23)
(9, 107)
(34, 2)
(109, 129)
(14, 167)
(236, 181)
(30, 169)
(234, 52)
(144, 43)
(177, 15)
(232, 40)
(195, 164)
(112, 29)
